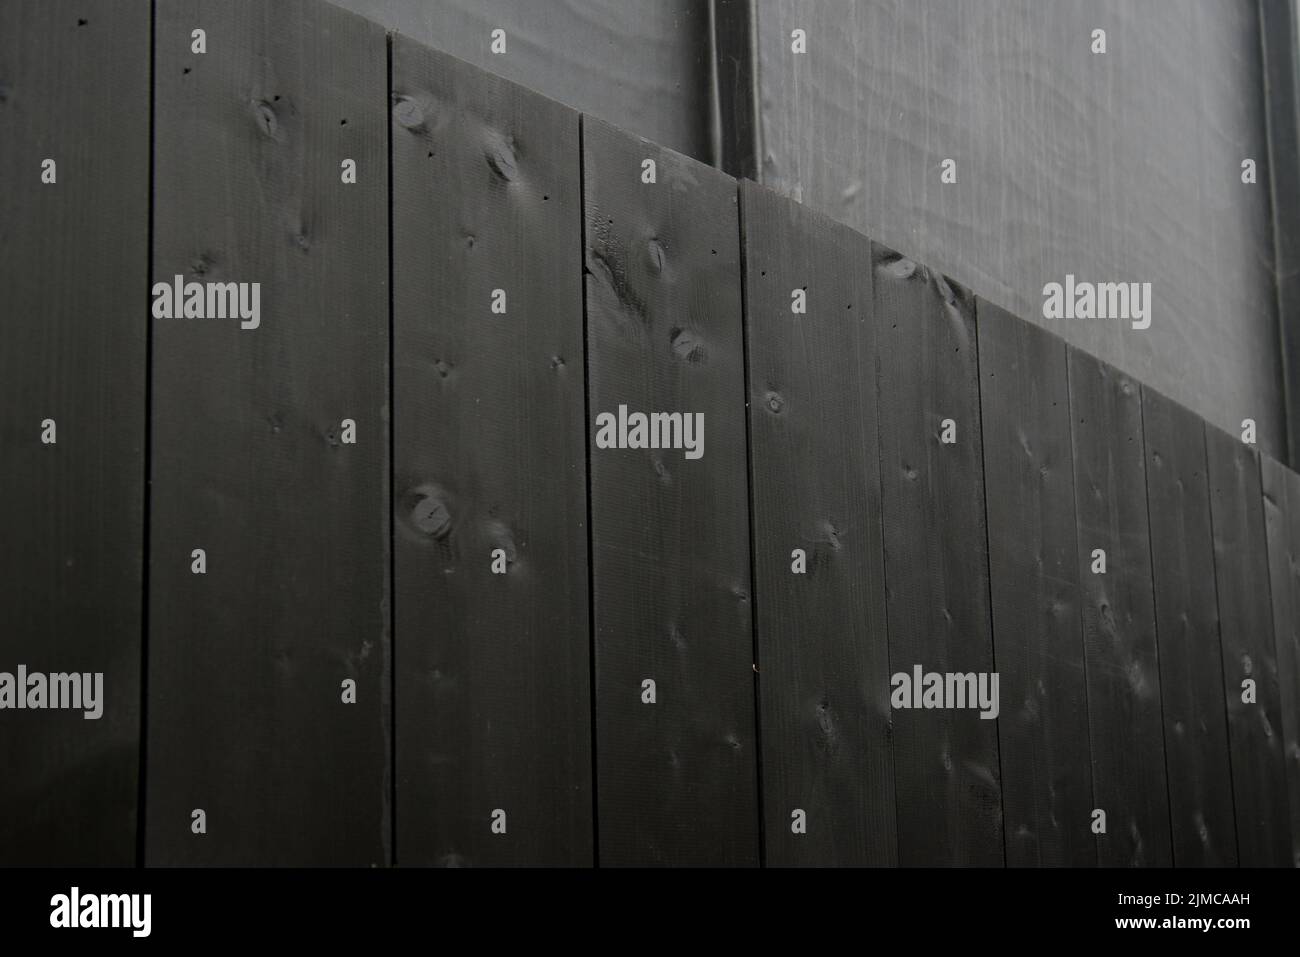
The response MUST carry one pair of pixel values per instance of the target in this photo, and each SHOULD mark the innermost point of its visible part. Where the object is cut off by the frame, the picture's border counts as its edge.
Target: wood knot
(408, 113)
(685, 345)
(501, 158)
(267, 121)
(429, 513)
(898, 267)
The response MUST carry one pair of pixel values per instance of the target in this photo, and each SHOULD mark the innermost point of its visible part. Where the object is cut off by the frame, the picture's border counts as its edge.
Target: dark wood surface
(522, 692)
(1197, 759)
(1282, 520)
(1118, 611)
(670, 535)
(493, 677)
(1246, 636)
(246, 718)
(1038, 643)
(822, 647)
(74, 88)
(946, 767)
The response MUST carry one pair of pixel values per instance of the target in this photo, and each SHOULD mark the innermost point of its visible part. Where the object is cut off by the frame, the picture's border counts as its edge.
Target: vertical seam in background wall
(1081, 598)
(733, 87)
(753, 532)
(717, 154)
(752, 94)
(392, 459)
(141, 782)
(988, 567)
(586, 454)
(1280, 108)
(1155, 623)
(1218, 629)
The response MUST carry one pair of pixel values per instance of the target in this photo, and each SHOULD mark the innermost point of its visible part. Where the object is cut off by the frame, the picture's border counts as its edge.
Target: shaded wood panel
(74, 91)
(946, 766)
(270, 449)
(1118, 612)
(670, 554)
(1197, 762)
(1029, 489)
(828, 787)
(1282, 519)
(1246, 637)
(490, 532)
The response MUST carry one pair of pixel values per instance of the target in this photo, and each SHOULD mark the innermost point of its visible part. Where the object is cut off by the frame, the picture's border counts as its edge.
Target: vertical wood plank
(1029, 490)
(1246, 636)
(936, 569)
(670, 535)
(74, 88)
(1119, 624)
(250, 461)
(1187, 625)
(493, 686)
(1028, 480)
(823, 651)
(1282, 519)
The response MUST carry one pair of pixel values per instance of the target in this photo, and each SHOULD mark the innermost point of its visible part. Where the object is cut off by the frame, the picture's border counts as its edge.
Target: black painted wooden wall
(74, 90)
(670, 553)
(823, 657)
(489, 471)
(435, 622)
(252, 462)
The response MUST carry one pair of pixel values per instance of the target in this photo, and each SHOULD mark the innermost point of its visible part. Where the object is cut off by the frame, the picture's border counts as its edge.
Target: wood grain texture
(644, 66)
(1118, 612)
(1197, 763)
(670, 535)
(1282, 519)
(246, 662)
(74, 88)
(1123, 166)
(493, 684)
(823, 652)
(1246, 636)
(936, 570)
(1029, 491)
